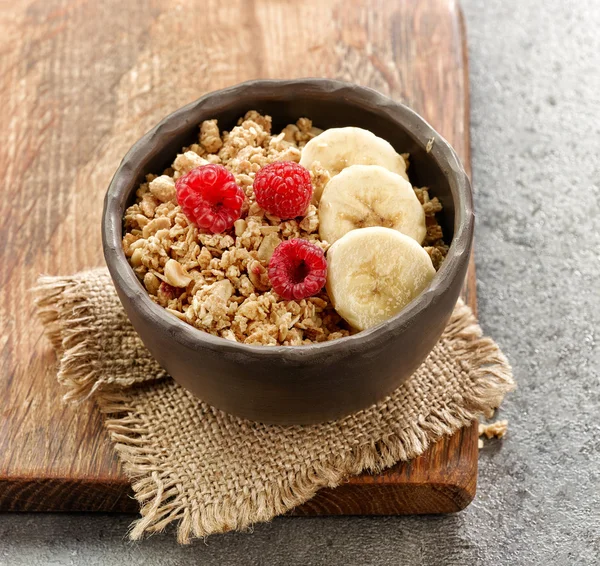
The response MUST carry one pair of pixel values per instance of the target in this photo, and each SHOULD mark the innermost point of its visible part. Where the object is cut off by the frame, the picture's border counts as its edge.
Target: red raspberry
(297, 269)
(284, 189)
(210, 197)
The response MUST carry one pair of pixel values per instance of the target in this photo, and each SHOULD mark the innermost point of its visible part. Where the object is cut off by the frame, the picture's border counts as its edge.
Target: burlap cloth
(212, 472)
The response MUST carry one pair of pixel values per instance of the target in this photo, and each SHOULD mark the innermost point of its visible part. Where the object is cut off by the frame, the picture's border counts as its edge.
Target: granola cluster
(219, 282)
(434, 243)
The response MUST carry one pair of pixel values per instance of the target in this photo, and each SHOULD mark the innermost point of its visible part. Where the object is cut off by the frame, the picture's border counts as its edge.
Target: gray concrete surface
(536, 132)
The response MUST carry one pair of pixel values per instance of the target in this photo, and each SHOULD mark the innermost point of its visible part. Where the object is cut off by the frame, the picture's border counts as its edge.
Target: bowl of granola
(289, 250)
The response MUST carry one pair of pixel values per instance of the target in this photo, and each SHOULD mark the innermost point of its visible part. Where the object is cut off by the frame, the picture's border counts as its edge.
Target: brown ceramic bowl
(296, 384)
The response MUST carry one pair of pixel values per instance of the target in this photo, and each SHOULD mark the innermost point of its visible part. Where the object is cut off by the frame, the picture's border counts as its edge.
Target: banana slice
(369, 195)
(373, 273)
(338, 148)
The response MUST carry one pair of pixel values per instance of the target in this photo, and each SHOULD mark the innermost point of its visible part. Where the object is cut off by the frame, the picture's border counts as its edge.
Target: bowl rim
(189, 336)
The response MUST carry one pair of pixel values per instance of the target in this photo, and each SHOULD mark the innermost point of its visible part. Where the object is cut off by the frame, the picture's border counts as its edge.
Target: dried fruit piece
(284, 189)
(210, 197)
(258, 275)
(297, 269)
(166, 293)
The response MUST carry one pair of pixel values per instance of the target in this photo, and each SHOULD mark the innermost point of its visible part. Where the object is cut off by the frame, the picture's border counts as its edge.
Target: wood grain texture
(80, 82)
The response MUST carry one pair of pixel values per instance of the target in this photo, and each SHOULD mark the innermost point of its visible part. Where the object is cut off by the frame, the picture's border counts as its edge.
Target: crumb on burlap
(493, 430)
(219, 282)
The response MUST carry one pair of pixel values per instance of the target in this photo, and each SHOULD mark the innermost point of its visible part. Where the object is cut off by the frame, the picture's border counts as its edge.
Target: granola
(219, 282)
(497, 429)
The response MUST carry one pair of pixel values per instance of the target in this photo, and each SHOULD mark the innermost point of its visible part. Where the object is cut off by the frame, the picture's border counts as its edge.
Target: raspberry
(284, 189)
(210, 197)
(297, 269)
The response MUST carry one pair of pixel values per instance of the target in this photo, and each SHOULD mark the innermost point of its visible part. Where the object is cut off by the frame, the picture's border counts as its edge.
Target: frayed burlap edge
(64, 312)
(63, 307)
(162, 501)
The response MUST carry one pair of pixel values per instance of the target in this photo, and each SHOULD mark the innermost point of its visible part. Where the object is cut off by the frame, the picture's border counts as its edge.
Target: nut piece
(176, 275)
(151, 282)
(240, 226)
(178, 314)
(155, 225)
(163, 188)
(136, 257)
(267, 247)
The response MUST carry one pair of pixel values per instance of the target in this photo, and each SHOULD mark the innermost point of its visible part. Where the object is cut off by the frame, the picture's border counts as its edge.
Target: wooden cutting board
(81, 81)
